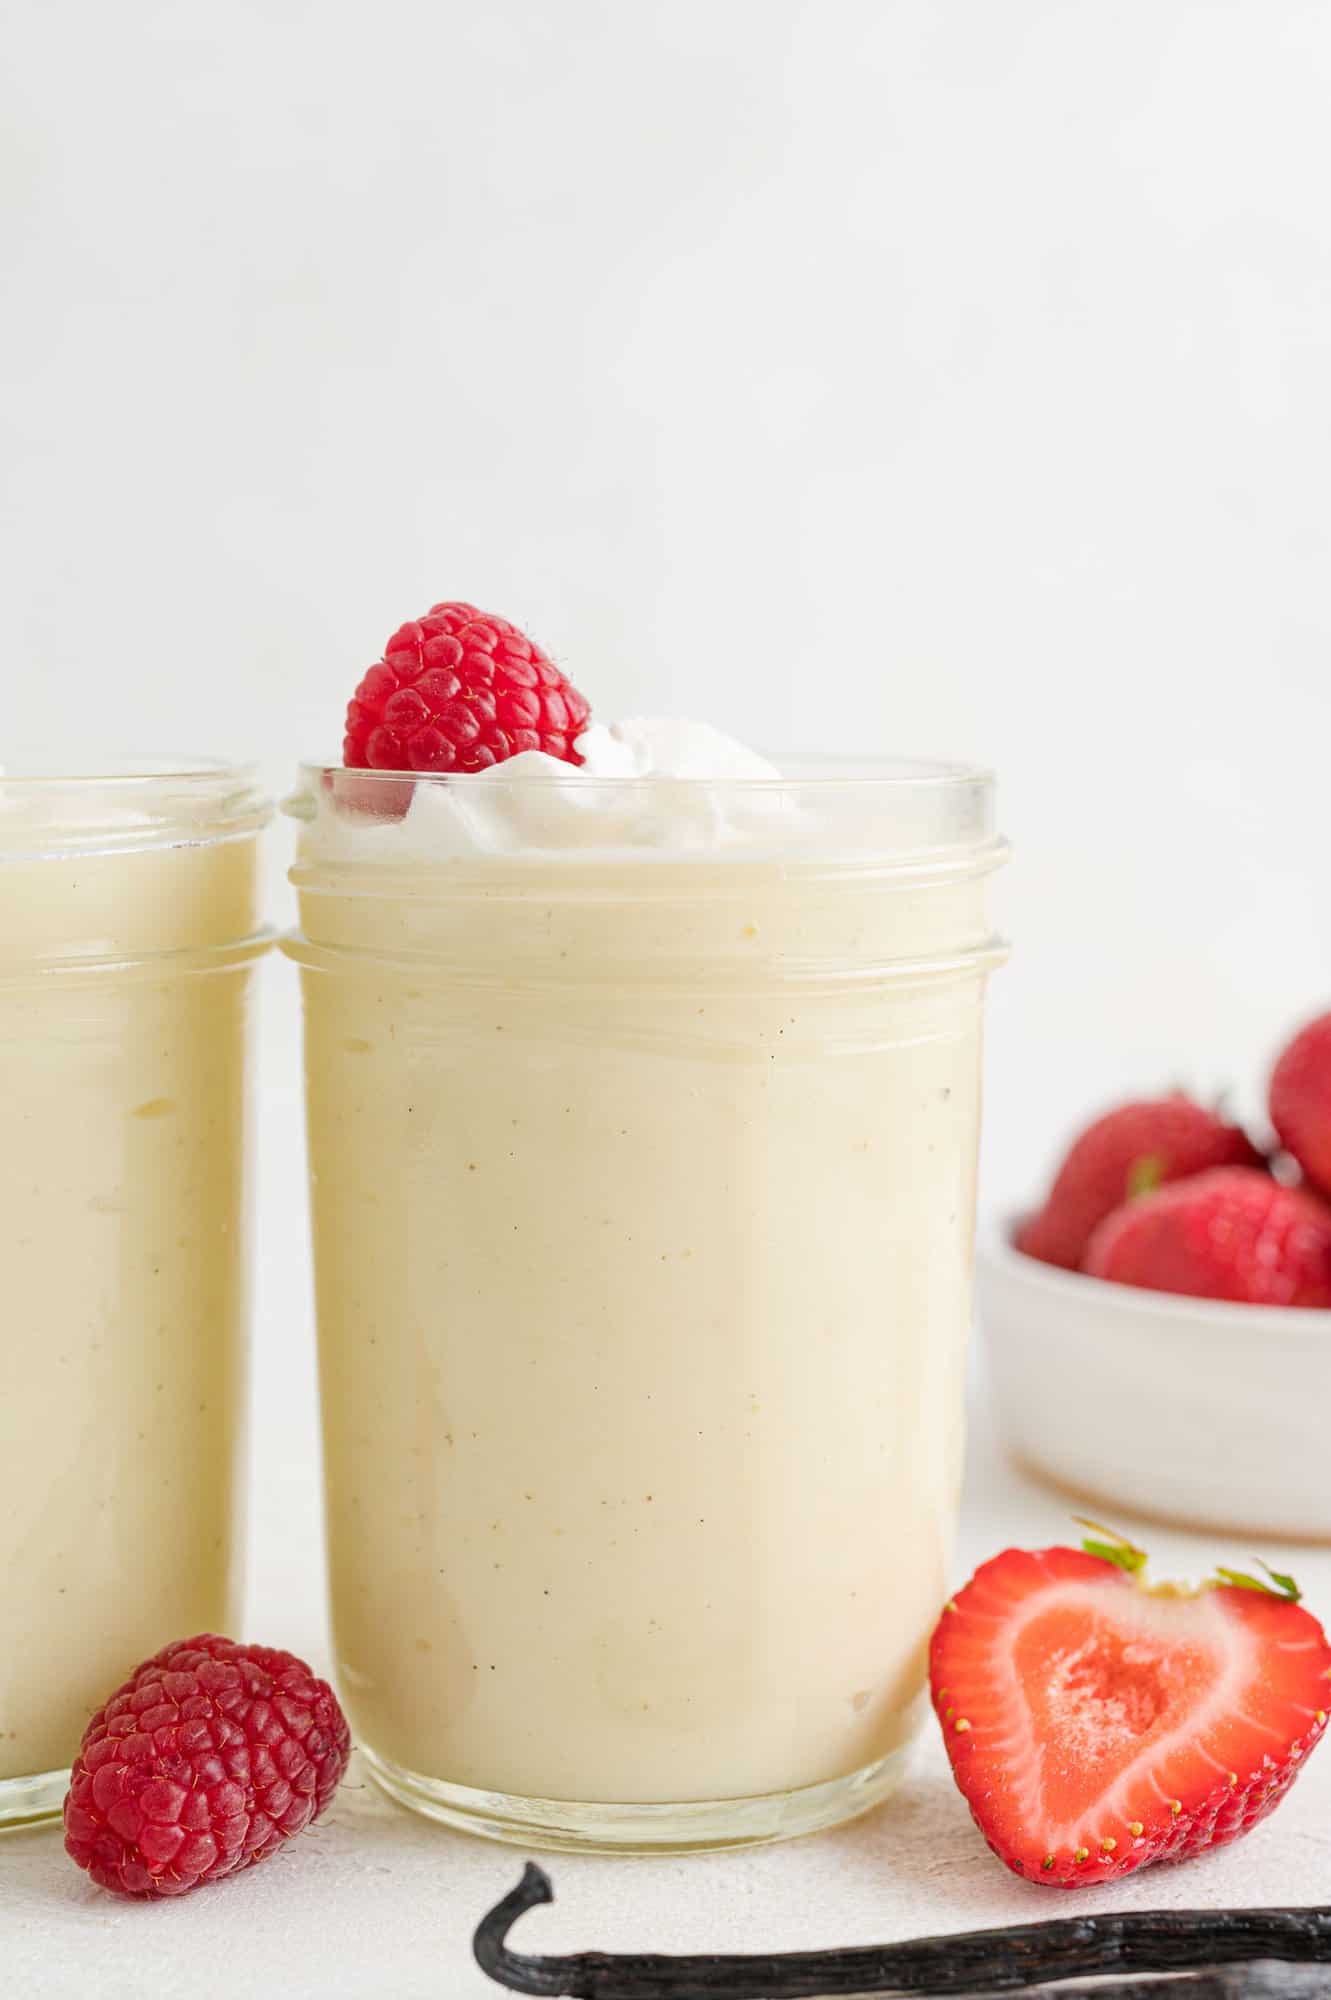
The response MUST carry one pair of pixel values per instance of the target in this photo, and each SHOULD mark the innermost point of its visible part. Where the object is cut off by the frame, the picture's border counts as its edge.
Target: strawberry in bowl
(1231, 1233)
(1299, 1101)
(1158, 1330)
(1127, 1153)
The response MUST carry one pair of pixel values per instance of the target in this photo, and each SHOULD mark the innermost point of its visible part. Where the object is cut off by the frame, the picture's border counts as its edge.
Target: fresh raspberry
(1128, 1152)
(1300, 1101)
(1233, 1234)
(206, 1760)
(459, 690)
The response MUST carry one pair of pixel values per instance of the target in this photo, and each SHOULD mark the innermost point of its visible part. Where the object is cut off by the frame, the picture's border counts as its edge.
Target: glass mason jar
(643, 1205)
(127, 936)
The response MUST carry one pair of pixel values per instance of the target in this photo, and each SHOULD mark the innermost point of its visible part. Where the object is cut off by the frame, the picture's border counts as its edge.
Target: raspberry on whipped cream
(461, 690)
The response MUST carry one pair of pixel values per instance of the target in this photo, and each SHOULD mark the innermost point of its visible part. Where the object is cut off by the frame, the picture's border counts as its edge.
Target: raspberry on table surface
(208, 1758)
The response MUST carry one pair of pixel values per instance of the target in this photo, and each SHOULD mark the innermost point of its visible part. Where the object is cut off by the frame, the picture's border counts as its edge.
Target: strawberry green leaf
(1145, 1175)
(1110, 1546)
(1279, 1586)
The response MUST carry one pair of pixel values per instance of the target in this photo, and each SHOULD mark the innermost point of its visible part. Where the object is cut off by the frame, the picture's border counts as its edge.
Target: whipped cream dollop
(537, 805)
(660, 747)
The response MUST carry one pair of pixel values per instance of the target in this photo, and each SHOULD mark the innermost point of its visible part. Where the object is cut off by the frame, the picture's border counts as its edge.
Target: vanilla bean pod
(1250, 1979)
(968, 1963)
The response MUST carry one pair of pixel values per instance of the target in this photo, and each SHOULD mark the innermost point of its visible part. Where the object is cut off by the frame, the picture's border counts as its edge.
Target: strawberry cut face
(1103, 1691)
(1094, 1725)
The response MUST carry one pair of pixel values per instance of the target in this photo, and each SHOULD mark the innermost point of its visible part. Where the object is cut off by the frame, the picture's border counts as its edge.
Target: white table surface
(374, 1901)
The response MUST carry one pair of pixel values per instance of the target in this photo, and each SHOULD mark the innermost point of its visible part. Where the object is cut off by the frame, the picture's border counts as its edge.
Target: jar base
(29, 1801)
(570, 1827)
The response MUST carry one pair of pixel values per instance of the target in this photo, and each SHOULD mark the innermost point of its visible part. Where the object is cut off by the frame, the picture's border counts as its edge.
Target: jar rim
(812, 768)
(95, 803)
(37, 768)
(895, 812)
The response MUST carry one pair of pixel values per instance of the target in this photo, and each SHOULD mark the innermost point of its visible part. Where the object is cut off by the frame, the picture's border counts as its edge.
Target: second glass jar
(128, 936)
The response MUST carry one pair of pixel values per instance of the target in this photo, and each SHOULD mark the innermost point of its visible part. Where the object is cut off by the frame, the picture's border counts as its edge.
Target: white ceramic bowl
(1194, 1411)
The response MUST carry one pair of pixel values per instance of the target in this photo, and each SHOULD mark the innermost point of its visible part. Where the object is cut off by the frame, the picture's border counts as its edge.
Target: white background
(937, 375)
(945, 376)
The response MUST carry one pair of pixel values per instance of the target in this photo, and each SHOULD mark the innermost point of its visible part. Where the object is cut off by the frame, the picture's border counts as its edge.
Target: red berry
(1094, 1726)
(1232, 1233)
(1300, 1101)
(206, 1760)
(459, 690)
(1127, 1152)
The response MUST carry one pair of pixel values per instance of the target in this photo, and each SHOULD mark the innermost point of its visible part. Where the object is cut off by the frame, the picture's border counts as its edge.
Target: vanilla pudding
(127, 932)
(643, 1111)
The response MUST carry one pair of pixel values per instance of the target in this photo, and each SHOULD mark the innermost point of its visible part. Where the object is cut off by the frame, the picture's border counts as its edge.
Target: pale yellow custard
(643, 1202)
(124, 976)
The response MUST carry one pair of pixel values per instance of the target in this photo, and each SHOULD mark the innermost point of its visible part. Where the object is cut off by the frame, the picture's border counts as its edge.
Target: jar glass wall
(128, 934)
(643, 1195)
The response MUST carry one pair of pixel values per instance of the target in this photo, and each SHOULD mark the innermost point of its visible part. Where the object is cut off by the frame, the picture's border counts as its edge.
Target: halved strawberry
(1096, 1723)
